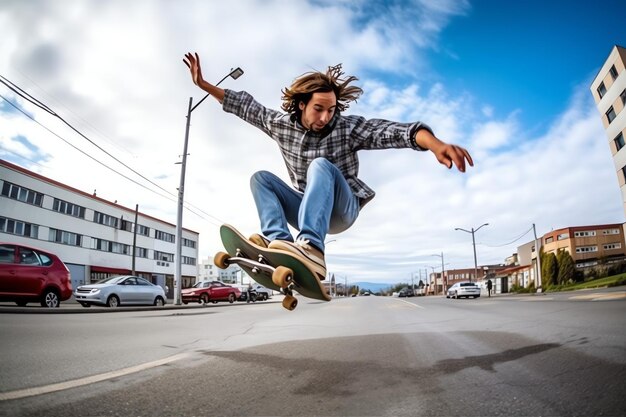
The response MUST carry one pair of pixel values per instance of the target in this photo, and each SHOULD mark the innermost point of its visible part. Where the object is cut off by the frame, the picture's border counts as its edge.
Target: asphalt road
(562, 354)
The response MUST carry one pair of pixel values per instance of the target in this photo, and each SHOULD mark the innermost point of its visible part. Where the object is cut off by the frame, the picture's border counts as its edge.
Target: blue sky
(507, 79)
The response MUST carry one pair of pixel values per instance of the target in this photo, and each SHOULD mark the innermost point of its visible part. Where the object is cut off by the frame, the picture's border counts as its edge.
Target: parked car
(214, 291)
(463, 289)
(406, 292)
(30, 275)
(263, 293)
(120, 290)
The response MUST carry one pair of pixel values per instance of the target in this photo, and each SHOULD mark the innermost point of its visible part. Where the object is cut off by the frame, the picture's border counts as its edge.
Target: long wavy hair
(304, 86)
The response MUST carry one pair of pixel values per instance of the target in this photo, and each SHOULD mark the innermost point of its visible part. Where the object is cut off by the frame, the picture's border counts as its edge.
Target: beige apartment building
(588, 245)
(609, 92)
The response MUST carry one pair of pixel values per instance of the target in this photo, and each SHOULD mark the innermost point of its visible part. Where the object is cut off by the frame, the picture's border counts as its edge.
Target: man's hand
(447, 154)
(193, 62)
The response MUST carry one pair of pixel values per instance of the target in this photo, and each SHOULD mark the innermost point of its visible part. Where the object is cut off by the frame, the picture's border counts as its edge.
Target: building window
(105, 219)
(562, 236)
(611, 246)
(66, 238)
(163, 256)
(586, 233)
(188, 260)
(601, 90)
(22, 194)
(585, 249)
(141, 252)
(126, 225)
(108, 246)
(610, 232)
(610, 114)
(143, 230)
(619, 141)
(68, 208)
(16, 227)
(613, 72)
(550, 239)
(168, 237)
(189, 243)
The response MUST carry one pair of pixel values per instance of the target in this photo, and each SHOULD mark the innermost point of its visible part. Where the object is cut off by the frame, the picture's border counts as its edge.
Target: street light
(234, 74)
(473, 244)
(444, 282)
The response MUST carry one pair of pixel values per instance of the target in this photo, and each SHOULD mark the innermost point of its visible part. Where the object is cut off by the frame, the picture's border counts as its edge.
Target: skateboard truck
(281, 276)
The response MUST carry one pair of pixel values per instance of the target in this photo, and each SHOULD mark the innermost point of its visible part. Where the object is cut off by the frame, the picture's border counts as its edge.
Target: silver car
(463, 289)
(120, 290)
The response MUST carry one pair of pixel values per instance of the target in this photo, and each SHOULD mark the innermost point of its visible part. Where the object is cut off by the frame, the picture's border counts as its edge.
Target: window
(550, 239)
(585, 233)
(601, 90)
(67, 238)
(619, 141)
(141, 252)
(189, 243)
(68, 208)
(108, 246)
(105, 219)
(584, 249)
(562, 236)
(22, 194)
(610, 114)
(143, 230)
(188, 260)
(611, 246)
(163, 256)
(168, 237)
(613, 72)
(610, 232)
(16, 227)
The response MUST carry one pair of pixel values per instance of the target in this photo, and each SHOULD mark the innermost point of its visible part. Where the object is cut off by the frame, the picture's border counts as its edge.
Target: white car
(463, 289)
(120, 290)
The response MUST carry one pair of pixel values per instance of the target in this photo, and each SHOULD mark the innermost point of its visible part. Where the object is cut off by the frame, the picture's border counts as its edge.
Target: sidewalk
(72, 307)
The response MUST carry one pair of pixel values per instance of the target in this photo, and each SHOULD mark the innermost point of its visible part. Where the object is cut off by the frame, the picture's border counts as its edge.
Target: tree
(549, 269)
(566, 267)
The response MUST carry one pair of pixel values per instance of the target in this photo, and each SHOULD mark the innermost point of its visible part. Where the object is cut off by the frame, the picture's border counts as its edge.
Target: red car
(30, 275)
(214, 291)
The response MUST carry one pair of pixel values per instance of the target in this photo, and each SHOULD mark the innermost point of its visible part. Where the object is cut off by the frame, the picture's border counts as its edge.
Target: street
(550, 354)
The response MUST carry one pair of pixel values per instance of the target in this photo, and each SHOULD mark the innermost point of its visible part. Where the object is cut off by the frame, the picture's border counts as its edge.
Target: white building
(207, 271)
(93, 236)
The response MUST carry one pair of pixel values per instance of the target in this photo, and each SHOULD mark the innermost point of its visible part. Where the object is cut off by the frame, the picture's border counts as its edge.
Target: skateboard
(272, 268)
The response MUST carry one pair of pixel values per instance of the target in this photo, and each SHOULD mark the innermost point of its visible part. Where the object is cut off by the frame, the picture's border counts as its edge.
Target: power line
(508, 243)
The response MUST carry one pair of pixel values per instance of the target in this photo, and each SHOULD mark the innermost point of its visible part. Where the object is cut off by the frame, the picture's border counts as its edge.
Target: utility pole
(474, 245)
(135, 237)
(537, 251)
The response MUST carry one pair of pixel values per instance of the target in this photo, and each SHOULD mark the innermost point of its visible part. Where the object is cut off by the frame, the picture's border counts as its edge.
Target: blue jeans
(327, 205)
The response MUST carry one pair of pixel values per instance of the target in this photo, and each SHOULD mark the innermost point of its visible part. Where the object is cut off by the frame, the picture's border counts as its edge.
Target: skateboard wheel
(290, 302)
(282, 276)
(221, 260)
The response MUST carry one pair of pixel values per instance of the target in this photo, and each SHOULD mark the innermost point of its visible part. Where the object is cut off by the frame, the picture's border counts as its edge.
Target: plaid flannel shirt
(338, 142)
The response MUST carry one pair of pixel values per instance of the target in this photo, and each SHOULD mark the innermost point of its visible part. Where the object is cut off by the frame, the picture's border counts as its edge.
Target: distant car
(120, 290)
(213, 291)
(463, 289)
(263, 293)
(406, 292)
(30, 275)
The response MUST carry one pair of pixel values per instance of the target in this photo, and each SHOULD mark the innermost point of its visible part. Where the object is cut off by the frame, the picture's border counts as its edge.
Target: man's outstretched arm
(193, 62)
(447, 154)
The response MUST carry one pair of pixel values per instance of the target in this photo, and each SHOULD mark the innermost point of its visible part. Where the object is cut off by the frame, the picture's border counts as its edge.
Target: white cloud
(114, 70)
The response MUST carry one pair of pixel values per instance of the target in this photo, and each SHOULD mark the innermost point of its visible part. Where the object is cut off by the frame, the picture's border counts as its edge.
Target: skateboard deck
(275, 269)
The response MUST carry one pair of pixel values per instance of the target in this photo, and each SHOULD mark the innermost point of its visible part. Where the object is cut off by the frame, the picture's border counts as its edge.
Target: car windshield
(113, 280)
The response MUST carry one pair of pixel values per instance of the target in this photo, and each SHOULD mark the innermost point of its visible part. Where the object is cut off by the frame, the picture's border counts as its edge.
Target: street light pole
(474, 245)
(234, 74)
(444, 282)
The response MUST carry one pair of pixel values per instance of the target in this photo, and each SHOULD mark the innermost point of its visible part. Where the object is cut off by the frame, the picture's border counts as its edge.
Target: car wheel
(50, 299)
(231, 298)
(113, 301)
(456, 295)
(159, 302)
(204, 298)
(85, 305)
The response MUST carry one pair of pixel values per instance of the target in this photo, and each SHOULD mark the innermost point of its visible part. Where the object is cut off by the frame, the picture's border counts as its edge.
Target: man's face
(318, 111)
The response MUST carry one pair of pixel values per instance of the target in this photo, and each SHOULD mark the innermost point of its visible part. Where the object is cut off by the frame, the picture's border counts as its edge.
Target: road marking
(46, 389)
(598, 296)
(411, 304)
